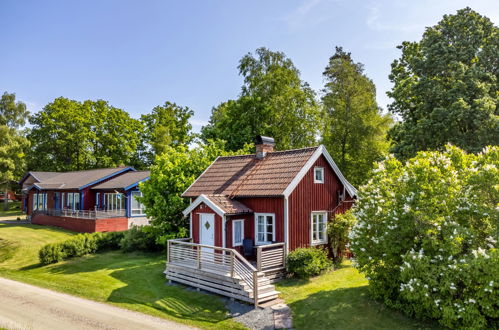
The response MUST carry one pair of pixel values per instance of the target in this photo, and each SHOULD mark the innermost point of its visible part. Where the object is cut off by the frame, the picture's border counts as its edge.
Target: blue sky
(139, 54)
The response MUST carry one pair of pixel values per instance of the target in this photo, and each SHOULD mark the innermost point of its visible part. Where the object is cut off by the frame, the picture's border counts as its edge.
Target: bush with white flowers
(426, 236)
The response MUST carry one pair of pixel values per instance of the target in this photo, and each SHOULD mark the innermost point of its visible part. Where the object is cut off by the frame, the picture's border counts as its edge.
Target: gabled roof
(222, 205)
(125, 181)
(275, 175)
(74, 179)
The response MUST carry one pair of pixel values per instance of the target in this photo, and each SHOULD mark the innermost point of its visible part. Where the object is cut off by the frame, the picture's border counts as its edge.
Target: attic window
(318, 174)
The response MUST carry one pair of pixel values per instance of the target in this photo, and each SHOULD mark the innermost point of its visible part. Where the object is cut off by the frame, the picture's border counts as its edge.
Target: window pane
(261, 237)
(237, 232)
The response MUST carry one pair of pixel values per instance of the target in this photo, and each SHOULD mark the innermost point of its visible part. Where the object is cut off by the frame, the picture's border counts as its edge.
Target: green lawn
(134, 281)
(339, 300)
(13, 212)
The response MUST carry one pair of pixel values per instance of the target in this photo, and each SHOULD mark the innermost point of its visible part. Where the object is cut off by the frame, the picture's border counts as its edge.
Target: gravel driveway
(24, 306)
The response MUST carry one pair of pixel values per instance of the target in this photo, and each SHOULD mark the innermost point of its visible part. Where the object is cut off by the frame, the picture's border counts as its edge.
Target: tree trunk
(6, 198)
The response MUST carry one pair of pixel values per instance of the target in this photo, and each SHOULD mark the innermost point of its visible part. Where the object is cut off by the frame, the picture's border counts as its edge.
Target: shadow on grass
(145, 285)
(349, 308)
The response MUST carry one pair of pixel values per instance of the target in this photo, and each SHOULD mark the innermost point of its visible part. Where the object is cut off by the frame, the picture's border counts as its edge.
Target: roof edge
(203, 199)
(321, 150)
(183, 194)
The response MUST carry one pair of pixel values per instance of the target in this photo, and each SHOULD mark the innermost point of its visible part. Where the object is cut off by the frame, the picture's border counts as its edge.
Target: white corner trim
(190, 225)
(286, 223)
(224, 234)
(200, 176)
(321, 150)
(207, 201)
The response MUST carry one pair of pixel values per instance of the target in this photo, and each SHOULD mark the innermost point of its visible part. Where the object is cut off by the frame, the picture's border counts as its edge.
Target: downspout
(286, 223)
(223, 231)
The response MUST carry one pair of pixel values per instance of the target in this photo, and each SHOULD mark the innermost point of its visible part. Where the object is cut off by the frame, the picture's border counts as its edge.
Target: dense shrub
(78, 246)
(306, 262)
(337, 233)
(139, 239)
(426, 236)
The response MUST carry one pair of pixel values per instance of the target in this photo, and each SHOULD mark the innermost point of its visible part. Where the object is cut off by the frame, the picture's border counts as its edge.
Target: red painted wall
(309, 196)
(249, 229)
(203, 208)
(82, 225)
(266, 205)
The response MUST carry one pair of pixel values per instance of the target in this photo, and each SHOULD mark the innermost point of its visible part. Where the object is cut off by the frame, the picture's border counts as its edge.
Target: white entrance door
(207, 230)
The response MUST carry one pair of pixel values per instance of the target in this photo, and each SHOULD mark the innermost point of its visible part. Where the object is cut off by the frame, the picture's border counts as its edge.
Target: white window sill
(319, 243)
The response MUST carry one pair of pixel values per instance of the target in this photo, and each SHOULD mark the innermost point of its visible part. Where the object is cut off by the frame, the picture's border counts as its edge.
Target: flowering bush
(426, 236)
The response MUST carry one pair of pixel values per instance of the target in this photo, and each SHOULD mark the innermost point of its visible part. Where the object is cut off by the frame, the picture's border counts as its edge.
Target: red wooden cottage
(246, 212)
(273, 196)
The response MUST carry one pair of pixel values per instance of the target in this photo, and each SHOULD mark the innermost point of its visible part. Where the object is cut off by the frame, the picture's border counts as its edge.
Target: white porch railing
(82, 214)
(271, 257)
(214, 259)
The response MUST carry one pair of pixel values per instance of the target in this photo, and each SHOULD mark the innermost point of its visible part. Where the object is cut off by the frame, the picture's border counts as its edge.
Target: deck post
(255, 288)
(232, 264)
(259, 258)
(168, 251)
(199, 257)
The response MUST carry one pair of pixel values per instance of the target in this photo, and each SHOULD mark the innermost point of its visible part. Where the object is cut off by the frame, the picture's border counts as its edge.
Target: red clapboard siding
(249, 229)
(309, 196)
(265, 205)
(203, 208)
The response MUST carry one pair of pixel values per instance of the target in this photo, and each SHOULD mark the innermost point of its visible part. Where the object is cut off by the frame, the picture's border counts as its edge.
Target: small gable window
(318, 174)
(237, 232)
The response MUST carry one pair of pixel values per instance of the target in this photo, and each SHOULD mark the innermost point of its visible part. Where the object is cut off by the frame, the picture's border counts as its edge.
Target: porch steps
(221, 283)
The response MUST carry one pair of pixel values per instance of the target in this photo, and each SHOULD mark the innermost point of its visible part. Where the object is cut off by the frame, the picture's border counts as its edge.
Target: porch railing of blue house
(83, 214)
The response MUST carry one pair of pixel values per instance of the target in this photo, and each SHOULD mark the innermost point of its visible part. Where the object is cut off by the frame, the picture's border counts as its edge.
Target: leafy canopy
(165, 126)
(171, 174)
(70, 135)
(446, 87)
(426, 236)
(274, 101)
(13, 144)
(354, 129)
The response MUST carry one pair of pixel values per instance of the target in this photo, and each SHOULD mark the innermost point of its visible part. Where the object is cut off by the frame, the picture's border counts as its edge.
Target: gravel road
(24, 306)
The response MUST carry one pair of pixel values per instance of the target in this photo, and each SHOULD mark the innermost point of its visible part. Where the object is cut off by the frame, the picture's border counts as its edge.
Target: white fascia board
(200, 176)
(321, 150)
(207, 201)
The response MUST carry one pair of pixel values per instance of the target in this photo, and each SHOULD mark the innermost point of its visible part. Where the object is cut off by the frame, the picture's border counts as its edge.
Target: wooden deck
(224, 271)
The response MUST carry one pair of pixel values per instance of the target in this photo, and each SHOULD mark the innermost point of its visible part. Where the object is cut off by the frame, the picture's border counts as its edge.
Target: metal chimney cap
(260, 139)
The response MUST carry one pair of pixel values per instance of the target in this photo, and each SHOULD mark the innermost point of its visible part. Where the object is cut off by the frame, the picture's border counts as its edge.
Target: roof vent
(263, 144)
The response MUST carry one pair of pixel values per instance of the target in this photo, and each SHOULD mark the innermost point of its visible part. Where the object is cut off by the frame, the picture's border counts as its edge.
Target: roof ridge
(273, 152)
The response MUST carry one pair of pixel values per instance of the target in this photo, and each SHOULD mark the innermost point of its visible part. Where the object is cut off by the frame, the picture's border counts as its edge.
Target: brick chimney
(263, 144)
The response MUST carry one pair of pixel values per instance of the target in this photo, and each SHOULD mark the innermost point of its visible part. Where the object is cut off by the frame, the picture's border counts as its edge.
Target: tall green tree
(446, 86)
(70, 135)
(354, 129)
(274, 101)
(166, 126)
(173, 172)
(13, 143)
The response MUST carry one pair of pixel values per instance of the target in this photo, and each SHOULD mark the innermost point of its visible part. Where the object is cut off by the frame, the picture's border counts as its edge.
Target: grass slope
(134, 281)
(340, 300)
(13, 212)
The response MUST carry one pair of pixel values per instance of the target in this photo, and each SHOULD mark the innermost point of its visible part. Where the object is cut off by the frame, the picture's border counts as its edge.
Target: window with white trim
(114, 202)
(97, 200)
(264, 228)
(137, 208)
(41, 201)
(237, 232)
(35, 201)
(318, 228)
(318, 174)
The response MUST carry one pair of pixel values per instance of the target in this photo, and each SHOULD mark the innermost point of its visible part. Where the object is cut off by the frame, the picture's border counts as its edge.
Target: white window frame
(141, 206)
(324, 240)
(76, 200)
(321, 170)
(111, 202)
(265, 215)
(234, 232)
(97, 200)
